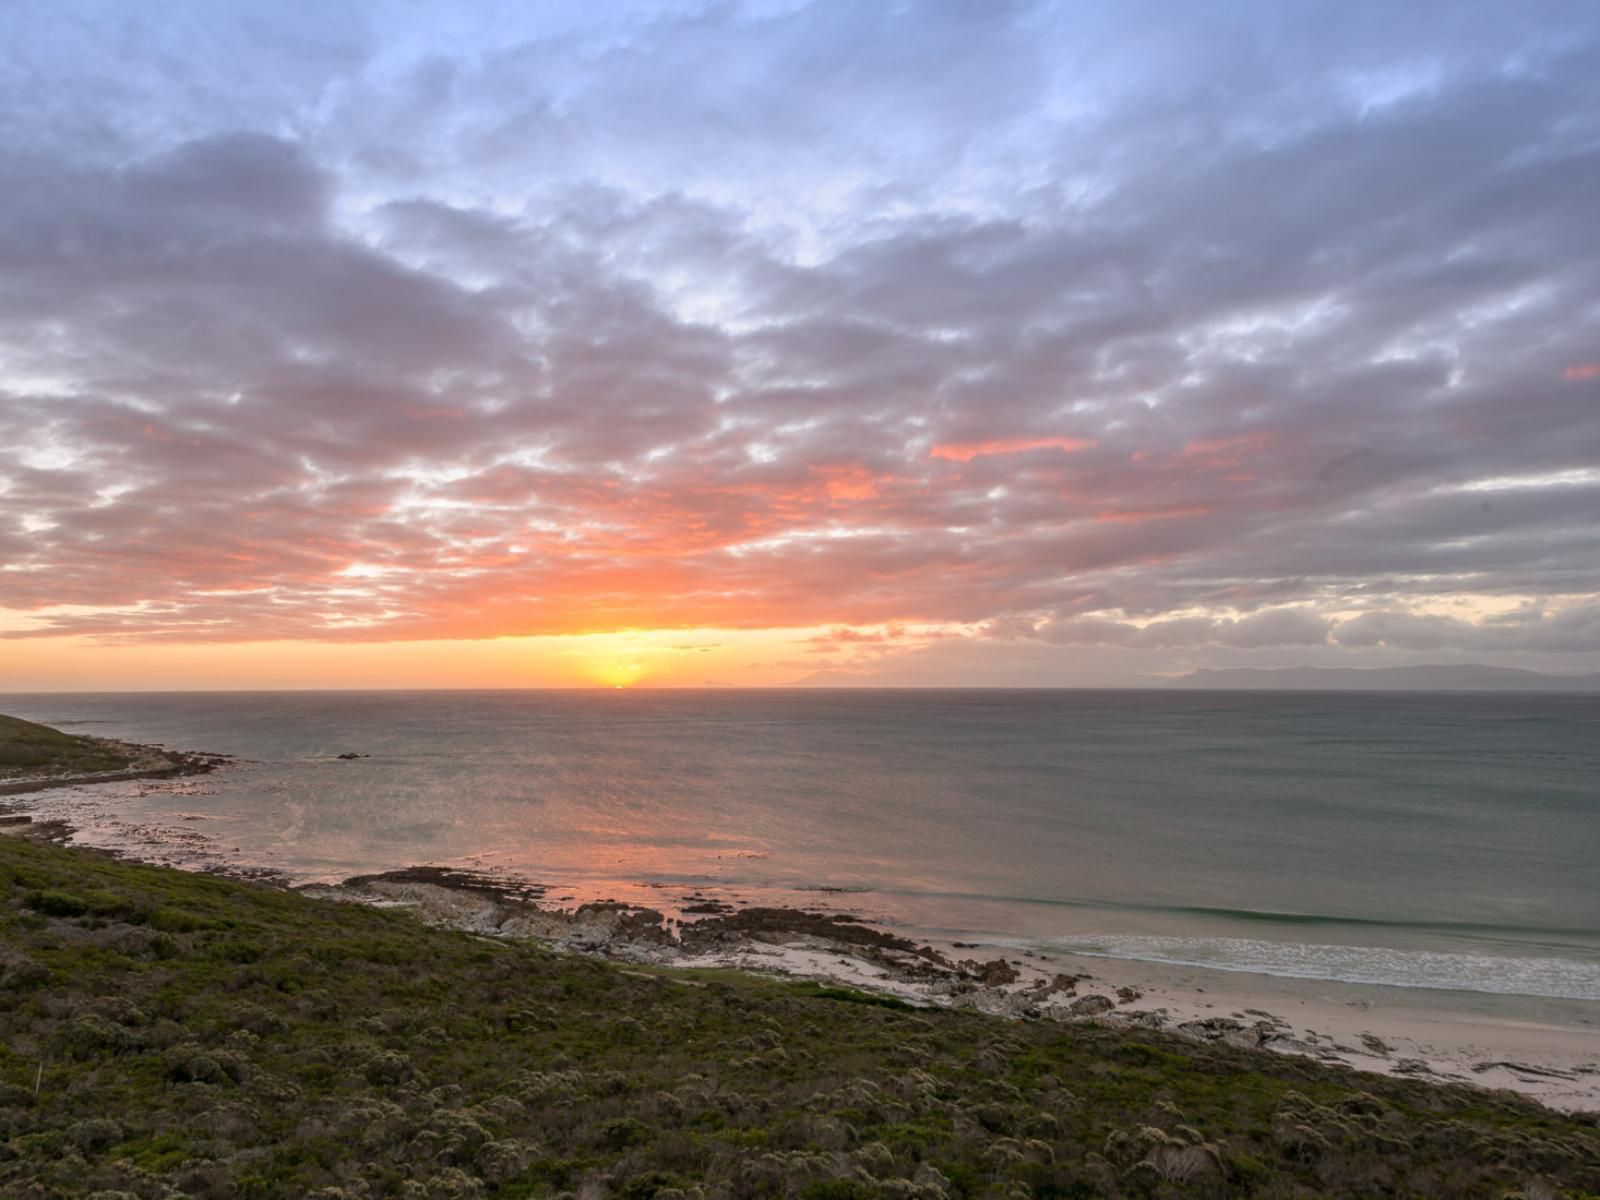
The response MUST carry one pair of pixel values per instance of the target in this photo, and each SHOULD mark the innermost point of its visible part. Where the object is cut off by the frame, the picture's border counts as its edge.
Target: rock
(994, 973)
(1525, 1069)
(1211, 1029)
(1091, 1005)
(1267, 1031)
(1127, 995)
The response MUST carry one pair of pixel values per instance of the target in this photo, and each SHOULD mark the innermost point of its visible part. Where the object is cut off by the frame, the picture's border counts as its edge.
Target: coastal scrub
(168, 1034)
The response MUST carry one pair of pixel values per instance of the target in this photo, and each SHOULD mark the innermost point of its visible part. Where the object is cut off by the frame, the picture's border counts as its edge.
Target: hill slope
(164, 1034)
(29, 749)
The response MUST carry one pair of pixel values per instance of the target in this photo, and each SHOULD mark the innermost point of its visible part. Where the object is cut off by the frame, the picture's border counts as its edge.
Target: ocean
(1432, 841)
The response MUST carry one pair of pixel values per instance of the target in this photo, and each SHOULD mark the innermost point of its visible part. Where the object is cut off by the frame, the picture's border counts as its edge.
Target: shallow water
(1441, 841)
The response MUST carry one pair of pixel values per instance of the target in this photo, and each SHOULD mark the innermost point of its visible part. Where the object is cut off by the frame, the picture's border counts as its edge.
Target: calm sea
(1423, 840)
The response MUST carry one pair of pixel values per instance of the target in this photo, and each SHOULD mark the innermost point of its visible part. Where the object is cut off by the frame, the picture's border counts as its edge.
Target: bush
(622, 1132)
(56, 904)
(95, 1135)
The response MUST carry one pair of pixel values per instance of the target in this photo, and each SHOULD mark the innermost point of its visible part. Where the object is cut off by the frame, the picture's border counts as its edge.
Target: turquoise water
(1427, 840)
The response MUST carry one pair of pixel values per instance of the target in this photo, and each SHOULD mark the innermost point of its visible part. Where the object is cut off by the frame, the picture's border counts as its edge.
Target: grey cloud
(1574, 630)
(645, 332)
(1270, 627)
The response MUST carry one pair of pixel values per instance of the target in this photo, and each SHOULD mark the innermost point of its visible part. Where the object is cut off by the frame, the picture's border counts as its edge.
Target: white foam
(1557, 978)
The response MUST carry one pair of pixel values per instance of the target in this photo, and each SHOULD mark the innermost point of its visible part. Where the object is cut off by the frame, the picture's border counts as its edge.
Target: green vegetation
(165, 1034)
(29, 749)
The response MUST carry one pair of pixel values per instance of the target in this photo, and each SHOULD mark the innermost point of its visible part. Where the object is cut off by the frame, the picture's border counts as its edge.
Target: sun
(616, 672)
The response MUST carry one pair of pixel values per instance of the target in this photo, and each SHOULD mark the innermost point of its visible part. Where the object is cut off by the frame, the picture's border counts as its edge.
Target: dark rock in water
(1091, 1005)
(349, 754)
(501, 888)
(766, 923)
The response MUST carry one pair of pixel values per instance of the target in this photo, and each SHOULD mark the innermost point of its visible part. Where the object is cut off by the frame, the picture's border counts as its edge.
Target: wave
(1582, 936)
(1553, 978)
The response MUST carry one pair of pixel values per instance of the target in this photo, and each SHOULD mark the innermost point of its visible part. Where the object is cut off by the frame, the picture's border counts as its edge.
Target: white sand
(1392, 1031)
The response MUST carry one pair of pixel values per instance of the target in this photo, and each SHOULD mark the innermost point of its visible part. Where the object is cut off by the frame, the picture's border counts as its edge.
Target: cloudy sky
(989, 343)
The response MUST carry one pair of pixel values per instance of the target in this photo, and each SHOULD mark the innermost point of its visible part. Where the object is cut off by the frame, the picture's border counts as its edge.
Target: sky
(703, 344)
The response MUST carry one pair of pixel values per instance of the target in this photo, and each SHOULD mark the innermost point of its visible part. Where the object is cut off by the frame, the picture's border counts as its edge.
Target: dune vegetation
(165, 1034)
(27, 749)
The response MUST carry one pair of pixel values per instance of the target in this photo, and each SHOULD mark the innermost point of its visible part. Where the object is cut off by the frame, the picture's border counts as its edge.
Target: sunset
(413, 326)
(799, 599)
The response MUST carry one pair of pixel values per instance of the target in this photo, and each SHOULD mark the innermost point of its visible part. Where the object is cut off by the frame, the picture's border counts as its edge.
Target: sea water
(1414, 840)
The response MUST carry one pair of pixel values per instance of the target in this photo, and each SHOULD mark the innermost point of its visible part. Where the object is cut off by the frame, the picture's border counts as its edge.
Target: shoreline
(142, 762)
(1557, 1064)
(1365, 1028)
(182, 1033)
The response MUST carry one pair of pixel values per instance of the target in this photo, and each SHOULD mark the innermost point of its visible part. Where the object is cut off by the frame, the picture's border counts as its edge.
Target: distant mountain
(1465, 677)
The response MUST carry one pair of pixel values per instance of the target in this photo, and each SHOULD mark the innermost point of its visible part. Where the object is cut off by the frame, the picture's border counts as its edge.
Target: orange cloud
(1582, 371)
(851, 483)
(967, 451)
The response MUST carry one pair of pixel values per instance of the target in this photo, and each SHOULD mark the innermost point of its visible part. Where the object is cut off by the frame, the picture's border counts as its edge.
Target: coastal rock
(995, 972)
(1211, 1029)
(783, 924)
(1146, 1018)
(1269, 1031)
(1091, 1005)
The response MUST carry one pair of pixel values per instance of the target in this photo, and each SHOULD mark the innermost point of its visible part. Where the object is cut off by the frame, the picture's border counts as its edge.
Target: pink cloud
(967, 451)
(1582, 371)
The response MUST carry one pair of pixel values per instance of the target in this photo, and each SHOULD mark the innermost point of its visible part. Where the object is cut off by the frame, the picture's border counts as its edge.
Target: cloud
(967, 451)
(1270, 627)
(1572, 630)
(409, 326)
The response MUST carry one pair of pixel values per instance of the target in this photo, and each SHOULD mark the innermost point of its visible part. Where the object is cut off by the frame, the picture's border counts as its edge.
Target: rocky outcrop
(1091, 1006)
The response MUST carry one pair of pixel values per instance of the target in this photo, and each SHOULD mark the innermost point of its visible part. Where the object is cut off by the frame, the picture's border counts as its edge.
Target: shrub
(622, 1132)
(56, 904)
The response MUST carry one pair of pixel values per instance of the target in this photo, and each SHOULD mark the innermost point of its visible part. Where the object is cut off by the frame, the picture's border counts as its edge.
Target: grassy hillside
(164, 1034)
(27, 749)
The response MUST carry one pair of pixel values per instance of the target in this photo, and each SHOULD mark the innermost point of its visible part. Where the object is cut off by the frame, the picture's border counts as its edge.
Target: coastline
(140, 762)
(1373, 1028)
(174, 1032)
(1376, 1029)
